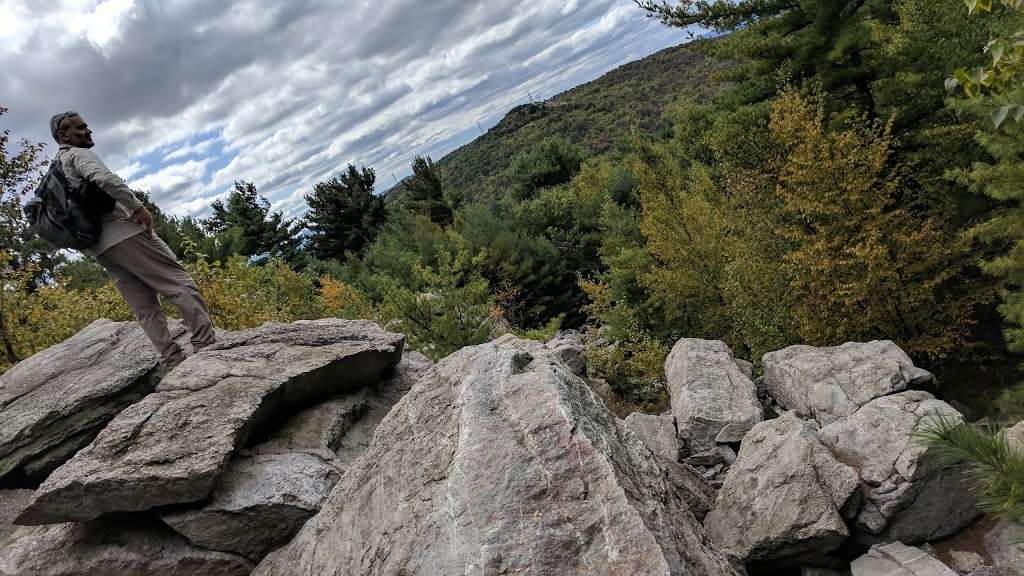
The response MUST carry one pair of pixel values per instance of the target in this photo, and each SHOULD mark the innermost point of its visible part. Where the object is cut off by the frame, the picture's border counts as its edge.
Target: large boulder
(173, 446)
(785, 495)
(501, 460)
(1005, 544)
(657, 432)
(712, 399)
(907, 487)
(12, 502)
(1015, 437)
(260, 503)
(898, 559)
(116, 545)
(828, 384)
(54, 402)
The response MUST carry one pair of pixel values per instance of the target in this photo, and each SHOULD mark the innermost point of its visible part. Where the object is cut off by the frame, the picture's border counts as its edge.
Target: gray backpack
(64, 216)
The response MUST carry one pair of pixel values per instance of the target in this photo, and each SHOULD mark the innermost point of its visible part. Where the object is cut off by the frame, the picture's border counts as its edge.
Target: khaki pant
(142, 267)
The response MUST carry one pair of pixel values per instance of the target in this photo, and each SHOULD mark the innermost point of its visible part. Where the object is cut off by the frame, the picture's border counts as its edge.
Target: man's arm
(89, 165)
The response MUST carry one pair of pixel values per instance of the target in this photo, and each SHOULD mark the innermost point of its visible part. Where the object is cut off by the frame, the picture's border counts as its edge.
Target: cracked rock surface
(172, 446)
(784, 495)
(714, 402)
(501, 460)
(54, 402)
(828, 384)
(115, 545)
(906, 487)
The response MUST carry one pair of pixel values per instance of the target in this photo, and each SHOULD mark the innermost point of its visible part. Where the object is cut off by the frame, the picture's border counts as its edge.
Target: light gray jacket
(81, 164)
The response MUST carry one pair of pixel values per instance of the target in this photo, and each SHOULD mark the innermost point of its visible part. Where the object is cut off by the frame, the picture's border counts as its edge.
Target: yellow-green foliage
(38, 318)
(240, 296)
(237, 295)
(864, 266)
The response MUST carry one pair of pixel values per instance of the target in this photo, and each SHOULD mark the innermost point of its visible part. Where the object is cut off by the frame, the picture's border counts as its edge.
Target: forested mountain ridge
(597, 116)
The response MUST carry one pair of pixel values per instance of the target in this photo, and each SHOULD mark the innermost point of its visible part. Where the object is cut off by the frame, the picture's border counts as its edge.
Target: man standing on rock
(138, 261)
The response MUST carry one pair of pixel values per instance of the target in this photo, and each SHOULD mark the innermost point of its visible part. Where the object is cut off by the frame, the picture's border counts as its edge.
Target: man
(138, 261)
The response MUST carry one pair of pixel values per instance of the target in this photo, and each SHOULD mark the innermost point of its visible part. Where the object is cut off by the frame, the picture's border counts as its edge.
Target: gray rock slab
(898, 559)
(784, 495)
(117, 545)
(12, 502)
(570, 348)
(317, 428)
(657, 432)
(1015, 437)
(259, 504)
(1005, 544)
(501, 460)
(831, 383)
(54, 402)
(713, 401)
(906, 488)
(172, 446)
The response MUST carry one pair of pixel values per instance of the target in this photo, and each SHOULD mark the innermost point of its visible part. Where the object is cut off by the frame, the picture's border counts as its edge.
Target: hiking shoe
(197, 346)
(168, 364)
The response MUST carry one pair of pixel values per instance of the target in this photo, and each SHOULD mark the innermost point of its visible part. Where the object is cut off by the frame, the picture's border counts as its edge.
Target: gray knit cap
(56, 120)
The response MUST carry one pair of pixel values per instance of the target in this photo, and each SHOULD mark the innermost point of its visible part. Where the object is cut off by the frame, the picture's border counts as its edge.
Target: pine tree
(424, 192)
(344, 215)
(261, 230)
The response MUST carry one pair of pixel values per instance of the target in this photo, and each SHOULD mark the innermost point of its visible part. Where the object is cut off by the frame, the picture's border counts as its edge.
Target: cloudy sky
(186, 96)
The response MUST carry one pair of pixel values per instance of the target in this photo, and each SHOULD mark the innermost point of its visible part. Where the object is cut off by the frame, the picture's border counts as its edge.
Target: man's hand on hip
(142, 216)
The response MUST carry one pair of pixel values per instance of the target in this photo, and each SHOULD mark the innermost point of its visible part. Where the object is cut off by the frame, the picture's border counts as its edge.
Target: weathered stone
(897, 559)
(259, 504)
(830, 383)
(116, 545)
(318, 428)
(965, 561)
(906, 487)
(1015, 437)
(570, 348)
(379, 403)
(501, 460)
(746, 368)
(1005, 544)
(783, 496)
(54, 402)
(657, 432)
(172, 446)
(12, 502)
(720, 454)
(713, 401)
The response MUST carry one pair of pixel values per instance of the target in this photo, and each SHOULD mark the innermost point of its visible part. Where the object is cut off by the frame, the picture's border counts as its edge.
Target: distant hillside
(595, 116)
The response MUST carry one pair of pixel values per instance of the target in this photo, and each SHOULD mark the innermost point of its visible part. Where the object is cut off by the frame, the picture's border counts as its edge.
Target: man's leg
(153, 263)
(144, 304)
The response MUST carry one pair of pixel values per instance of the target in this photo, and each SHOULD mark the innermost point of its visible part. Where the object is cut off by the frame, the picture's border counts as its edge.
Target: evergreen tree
(551, 162)
(425, 194)
(344, 215)
(261, 230)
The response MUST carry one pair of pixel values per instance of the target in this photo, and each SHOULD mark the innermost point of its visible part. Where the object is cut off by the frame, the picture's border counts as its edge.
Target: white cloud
(292, 91)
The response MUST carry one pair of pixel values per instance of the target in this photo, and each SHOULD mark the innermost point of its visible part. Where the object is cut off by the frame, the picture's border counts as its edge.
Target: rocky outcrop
(54, 402)
(828, 384)
(898, 559)
(657, 432)
(1015, 437)
(116, 545)
(570, 348)
(173, 446)
(12, 502)
(784, 496)
(906, 488)
(713, 401)
(1005, 544)
(501, 460)
(262, 501)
